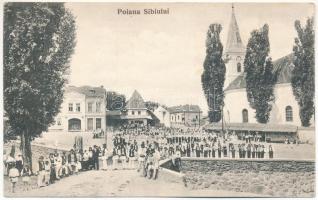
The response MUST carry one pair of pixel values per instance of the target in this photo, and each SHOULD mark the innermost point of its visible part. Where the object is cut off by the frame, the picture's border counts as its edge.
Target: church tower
(234, 52)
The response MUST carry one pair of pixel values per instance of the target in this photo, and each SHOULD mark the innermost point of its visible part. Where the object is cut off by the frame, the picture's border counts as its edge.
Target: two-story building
(188, 115)
(83, 109)
(136, 111)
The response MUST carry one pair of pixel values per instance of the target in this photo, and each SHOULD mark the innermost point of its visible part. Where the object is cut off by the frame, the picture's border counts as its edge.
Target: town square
(158, 99)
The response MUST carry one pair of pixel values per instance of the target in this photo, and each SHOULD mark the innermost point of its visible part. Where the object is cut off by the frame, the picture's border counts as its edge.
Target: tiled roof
(184, 108)
(88, 91)
(282, 67)
(136, 101)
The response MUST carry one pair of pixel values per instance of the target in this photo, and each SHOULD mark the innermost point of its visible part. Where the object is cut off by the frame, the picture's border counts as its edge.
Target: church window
(245, 115)
(289, 113)
(239, 67)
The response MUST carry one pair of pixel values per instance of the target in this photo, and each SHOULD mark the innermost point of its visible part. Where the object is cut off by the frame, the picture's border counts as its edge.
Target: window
(59, 123)
(289, 113)
(239, 67)
(139, 112)
(78, 107)
(98, 106)
(70, 107)
(196, 117)
(98, 123)
(90, 124)
(172, 118)
(245, 115)
(133, 112)
(90, 107)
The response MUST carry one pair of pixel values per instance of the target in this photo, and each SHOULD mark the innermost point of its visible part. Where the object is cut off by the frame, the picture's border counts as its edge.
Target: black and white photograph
(158, 99)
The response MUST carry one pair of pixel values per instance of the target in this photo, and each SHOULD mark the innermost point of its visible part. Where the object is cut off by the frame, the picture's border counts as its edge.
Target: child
(26, 173)
(13, 175)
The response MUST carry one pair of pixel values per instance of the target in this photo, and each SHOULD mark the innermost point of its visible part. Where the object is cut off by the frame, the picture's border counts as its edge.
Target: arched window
(289, 113)
(245, 115)
(239, 67)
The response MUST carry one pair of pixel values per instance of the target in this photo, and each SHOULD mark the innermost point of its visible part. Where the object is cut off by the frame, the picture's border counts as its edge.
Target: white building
(136, 110)
(83, 109)
(163, 114)
(185, 115)
(237, 109)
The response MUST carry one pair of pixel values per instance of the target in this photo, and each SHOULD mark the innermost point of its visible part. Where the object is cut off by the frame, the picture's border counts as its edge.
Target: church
(237, 113)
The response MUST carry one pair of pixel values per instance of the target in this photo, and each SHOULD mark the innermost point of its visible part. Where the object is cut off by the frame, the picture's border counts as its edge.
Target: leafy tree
(303, 74)
(152, 106)
(115, 101)
(260, 78)
(39, 39)
(213, 75)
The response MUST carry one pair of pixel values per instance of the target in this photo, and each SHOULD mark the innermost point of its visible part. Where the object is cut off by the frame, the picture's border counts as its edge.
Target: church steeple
(234, 52)
(234, 42)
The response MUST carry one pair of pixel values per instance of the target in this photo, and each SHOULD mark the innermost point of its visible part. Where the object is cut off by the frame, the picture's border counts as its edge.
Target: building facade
(83, 109)
(163, 115)
(285, 109)
(187, 115)
(136, 111)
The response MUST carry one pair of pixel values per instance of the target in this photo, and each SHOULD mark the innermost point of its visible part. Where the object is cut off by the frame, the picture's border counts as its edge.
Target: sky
(161, 56)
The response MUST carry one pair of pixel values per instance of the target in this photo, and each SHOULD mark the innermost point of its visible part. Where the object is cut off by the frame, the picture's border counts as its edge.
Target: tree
(260, 78)
(303, 74)
(152, 106)
(213, 75)
(39, 39)
(115, 101)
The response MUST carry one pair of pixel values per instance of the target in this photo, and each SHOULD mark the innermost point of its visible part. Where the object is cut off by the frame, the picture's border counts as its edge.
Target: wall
(231, 67)
(164, 118)
(255, 165)
(236, 100)
(279, 178)
(65, 114)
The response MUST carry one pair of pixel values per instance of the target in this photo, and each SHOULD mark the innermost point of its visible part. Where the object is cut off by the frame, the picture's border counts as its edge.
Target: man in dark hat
(96, 152)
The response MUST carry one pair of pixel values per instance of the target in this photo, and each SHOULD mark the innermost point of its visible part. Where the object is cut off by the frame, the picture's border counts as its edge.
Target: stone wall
(249, 165)
(268, 178)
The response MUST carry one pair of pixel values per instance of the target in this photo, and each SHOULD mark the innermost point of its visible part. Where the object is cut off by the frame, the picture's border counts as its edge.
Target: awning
(253, 127)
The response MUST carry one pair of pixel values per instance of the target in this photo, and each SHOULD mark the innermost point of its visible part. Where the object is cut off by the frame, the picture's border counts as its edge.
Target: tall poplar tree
(260, 79)
(214, 73)
(303, 74)
(39, 39)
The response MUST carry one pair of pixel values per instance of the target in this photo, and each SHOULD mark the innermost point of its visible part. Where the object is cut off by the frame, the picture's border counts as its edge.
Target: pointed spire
(234, 41)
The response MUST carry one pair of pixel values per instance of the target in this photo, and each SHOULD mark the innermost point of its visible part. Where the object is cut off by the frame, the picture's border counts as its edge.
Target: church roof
(234, 42)
(184, 108)
(282, 67)
(136, 101)
(88, 91)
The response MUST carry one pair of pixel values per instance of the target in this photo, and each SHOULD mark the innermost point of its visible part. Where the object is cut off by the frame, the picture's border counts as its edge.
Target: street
(118, 183)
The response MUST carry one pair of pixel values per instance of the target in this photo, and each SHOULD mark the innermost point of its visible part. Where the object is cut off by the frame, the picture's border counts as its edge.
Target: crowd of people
(198, 143)
(139, 148)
